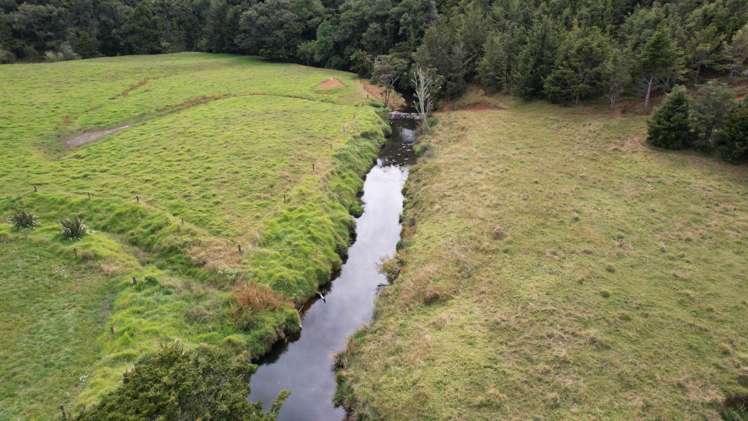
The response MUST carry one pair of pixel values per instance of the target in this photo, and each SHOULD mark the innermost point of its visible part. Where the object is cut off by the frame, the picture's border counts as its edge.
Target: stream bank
(305, 367)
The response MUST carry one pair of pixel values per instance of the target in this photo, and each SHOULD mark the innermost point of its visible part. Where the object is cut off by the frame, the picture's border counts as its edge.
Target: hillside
(203, 179)
(554, 266)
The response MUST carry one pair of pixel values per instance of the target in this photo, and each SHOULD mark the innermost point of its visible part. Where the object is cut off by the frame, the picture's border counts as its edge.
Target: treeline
(563, 50)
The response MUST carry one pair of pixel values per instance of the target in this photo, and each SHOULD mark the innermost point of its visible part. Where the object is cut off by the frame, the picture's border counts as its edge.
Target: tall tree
(497, 69)
(658, 59)
(537, 57)
(738, 51)
(619, 68)
(732, 138)
(581, 67)
(443, 50)
(710, 107)
(276, 28)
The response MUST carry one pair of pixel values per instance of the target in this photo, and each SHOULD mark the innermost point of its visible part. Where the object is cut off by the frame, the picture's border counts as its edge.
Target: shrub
(22, 219)
(6, 57)
(174, 383)
(73, 228)
(670, 128)
(732, 138)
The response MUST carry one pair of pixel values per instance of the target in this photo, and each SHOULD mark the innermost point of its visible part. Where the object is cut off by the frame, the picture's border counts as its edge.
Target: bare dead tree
(426, 86)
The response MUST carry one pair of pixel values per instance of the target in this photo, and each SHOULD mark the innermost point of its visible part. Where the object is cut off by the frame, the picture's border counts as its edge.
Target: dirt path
(92, 136)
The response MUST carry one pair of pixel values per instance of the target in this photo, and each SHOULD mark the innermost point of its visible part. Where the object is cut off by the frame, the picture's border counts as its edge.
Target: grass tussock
(22, 219)
(559, 268)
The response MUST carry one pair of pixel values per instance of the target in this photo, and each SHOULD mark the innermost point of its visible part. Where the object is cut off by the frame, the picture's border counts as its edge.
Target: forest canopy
(563, 50)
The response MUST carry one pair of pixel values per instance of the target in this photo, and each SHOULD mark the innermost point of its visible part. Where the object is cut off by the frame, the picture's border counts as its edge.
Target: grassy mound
(554, 266)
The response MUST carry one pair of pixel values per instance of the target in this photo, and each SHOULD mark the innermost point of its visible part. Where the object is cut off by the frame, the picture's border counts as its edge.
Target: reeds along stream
(305, 367)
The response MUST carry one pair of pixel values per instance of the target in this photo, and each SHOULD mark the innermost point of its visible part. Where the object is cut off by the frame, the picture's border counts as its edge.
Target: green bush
(22, 219)
(178, 384)
(73, 228)
(670, 127)
(732, 138)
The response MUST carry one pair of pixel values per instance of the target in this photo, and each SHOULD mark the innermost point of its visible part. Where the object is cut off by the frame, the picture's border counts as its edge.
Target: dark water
(305, 367)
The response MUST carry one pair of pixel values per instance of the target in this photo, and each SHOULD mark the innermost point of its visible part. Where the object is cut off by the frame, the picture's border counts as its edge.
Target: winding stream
(305, 366)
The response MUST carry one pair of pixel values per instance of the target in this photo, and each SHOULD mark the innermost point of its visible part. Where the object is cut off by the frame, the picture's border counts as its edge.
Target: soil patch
(91, 136)
(332, 83)
(376, 92)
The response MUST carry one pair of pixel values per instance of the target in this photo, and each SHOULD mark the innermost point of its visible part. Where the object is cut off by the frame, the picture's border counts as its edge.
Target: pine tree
(581, 70)
(710, 108)
(537, 58)
(658, 59)
(443, 50)
(670, 127)
(738, 51)
(618, 72)
(732, 138)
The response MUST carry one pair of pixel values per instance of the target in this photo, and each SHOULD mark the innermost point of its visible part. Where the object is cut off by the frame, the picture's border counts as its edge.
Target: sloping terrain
(554, 266)
(220, 169)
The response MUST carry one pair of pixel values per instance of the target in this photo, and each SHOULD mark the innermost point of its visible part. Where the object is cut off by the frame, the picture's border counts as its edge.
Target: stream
(305, 366)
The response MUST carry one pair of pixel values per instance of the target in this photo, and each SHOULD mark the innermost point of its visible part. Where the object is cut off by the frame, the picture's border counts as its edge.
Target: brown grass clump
(258, 297)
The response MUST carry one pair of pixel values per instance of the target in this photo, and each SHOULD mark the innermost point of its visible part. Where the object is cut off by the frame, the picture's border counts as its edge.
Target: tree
(387, 72)
(670, 128)
(442, 50)
(537, 57)
(710, 107)
(619, 66)
(581, 70)
(276, 28)
(175, 384)
(732, 137)
(426, 84)
(473, 32)
(221, 26)
(658, 59)
(497, 69)
(738, 51)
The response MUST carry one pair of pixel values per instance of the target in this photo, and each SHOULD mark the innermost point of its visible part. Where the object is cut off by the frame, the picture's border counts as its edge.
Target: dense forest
(563, 50)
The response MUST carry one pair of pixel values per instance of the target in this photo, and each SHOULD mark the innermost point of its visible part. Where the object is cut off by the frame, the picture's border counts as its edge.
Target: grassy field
(221, 168)
(555, 267)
